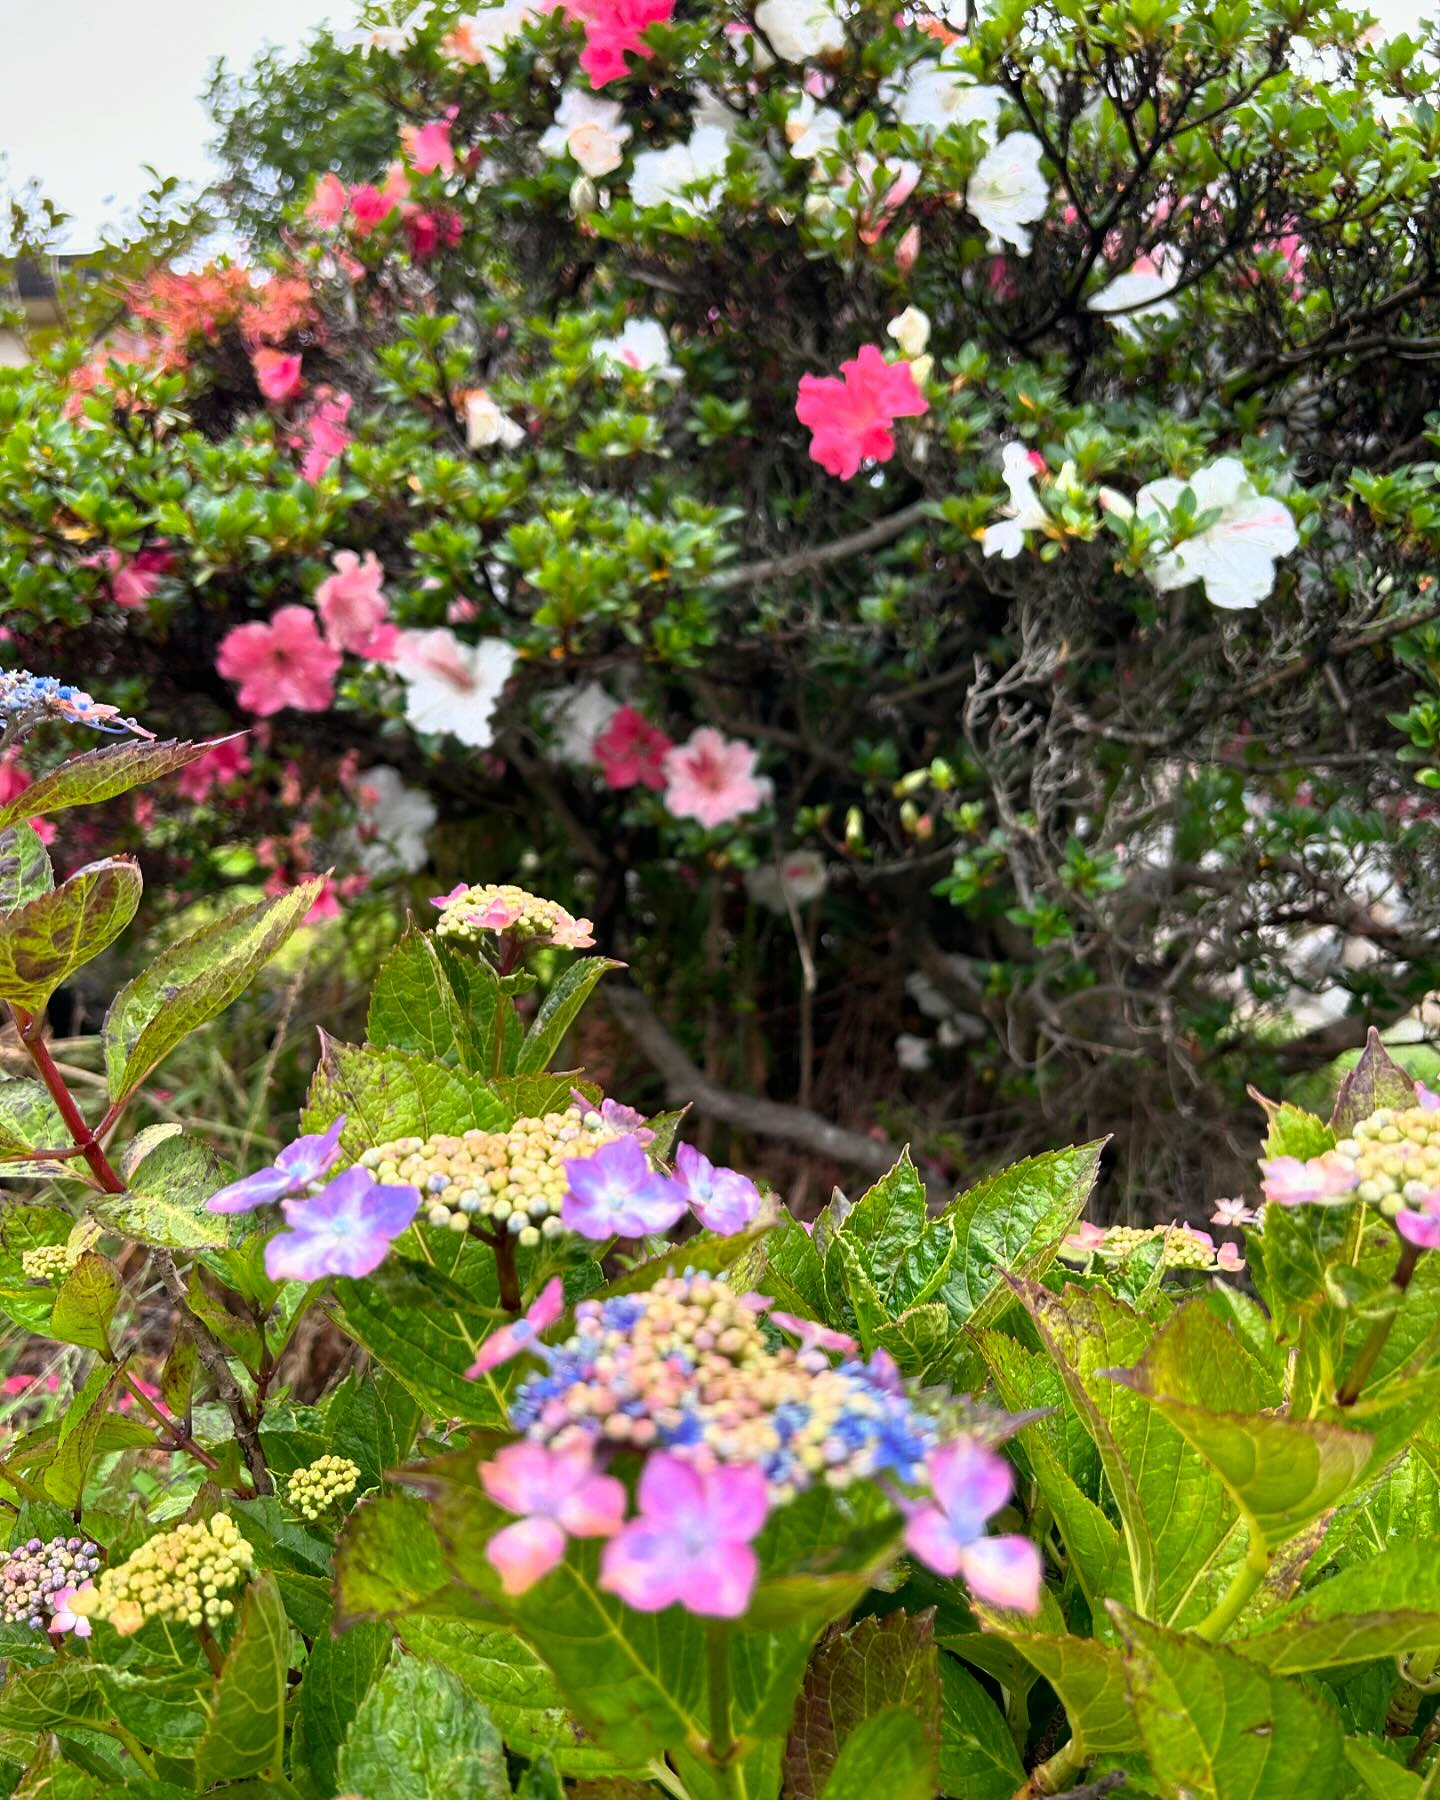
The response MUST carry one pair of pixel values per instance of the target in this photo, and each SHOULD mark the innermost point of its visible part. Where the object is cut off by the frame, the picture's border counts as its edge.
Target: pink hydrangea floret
(691, 1543)
(1317, 1181)
(968, 1483)
(514, 1340)
(559, 1495)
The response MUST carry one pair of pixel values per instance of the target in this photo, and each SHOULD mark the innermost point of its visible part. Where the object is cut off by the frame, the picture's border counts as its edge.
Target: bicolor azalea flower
(66, 1617)
(590, 131)
(690, 1544)
(723, 1200)
(969, 1482)
(668, 177)
(631, 751)
(1009, 191)
(395, 823)
(851, 415)
(811, 129)
(1235, 555)
(276, 374)
(351, 602)
(803, 876)
(453, 687)
(284, 662)
(643, 346)
(346, 1229)
(1024, 511)
(813, 1336)
(615, 29)
(712, 779)
(427, 148)
(1325, 1180)
(800, 30)
(560, 1495)
(520, 1337)
(615, 1193)
(293, 1170)
(486, 424)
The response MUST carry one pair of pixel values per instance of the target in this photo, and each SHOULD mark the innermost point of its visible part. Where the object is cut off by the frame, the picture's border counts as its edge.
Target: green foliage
(418, 1733)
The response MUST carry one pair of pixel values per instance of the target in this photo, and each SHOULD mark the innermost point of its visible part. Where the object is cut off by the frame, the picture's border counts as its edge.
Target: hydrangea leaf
(78, 1437)
(487, 1007)
(875, 1665)
(414, 1007)
(1089, 1679)
(25, 871)
(1376, 1080)
(52, 1697)
(165, 1711)
(978, 1759)
(1013, 1223)
(340, 1672)
(850, 1295)
(792, 1272)
(1387, 1606)
(905, 1256)
(418, 1734)
(890, 1754)
(1281, 1472)
(193, 982)
(246, 1731)
(706, 1254)
(1295, 1132)
(1217, 1727)
(164, 1203)
(86, 1304)
(389, 1561)
(921, 1339)
(388, 1094)
(29, 1120)
(43, 942)
(558, 1011)
(1383, 1777)
(532, 1096)
(100, 775)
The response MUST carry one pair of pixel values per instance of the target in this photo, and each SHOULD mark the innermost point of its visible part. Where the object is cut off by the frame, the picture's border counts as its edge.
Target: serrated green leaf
(389, 1094)
(25, 871)
(86, 1304)
(45, 941)
(165, 1201)
(850, 1296)
(793, 1273)
(1376, 1080)
(193, 982)
(246, 1732)
(1089, 1679)
(102, 774)
(1013, 1223)
(1295, 1132)
(906, 1257)
(920, 1340)
(338, 1675)
(418, 1735)
(388, 1561)
(1281, 1472)
(889, 1754)
(1387, 1606)
(1217, 1727)
(488, 1009)
(165, 1711)
(532, 1096)
(414, 1007)
(978, 1759)
(64, 1479)
(29, 1119)
(1383, 1777)
(51, 1698)
(877, 1664)
(705, 1254)
(558, 1011)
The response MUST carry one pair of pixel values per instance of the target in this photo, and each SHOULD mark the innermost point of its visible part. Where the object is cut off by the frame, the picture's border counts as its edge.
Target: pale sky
(91, 90)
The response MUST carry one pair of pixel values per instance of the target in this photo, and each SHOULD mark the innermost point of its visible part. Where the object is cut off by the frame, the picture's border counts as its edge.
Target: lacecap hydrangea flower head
(730, 1422)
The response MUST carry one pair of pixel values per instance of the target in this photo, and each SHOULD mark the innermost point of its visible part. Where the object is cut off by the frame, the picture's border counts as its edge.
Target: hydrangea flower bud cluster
(1183, 1246)
(184, 1575)
(467, 914)
(322, 1484)
(687, 1367)
(48, 1262)
(1395, 1156)
(35, 1573)
(25, 699)
(514, 1180)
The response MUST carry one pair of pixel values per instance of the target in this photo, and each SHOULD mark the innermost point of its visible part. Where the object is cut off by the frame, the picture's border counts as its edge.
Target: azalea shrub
(919, 522)
(634, 1483)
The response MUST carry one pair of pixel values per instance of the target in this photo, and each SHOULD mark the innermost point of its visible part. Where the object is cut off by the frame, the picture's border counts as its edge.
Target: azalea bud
(584, 196)
(854, 829)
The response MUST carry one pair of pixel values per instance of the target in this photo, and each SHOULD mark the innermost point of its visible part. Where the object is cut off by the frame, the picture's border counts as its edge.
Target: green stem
(1370, 1350)
(723, 1750)
(1236, 1597)
(664, 1776)
(1055, 1774)
(141, 1755)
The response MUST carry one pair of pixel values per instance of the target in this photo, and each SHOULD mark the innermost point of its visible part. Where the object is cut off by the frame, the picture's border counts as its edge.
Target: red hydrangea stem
(31, 1026)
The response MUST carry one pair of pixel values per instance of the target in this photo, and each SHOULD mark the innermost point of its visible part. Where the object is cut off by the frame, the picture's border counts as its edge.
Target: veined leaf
(559, 1010)
(389, 1562)
(340, 1672)
(29, 1119)
(102, 774)
(246, 1733)
(889, 1754)
(193, 982)
(978, 1759)
(1376, 1080)
(389, 1094)
(25, 871)
(1387, 1606)
(86, 1303)
(43, 942)
(1384, 1777)
(1089, 1678)
(414, 1007)
(165, 1201)
(78, 1436)
(904, 1255)
(419, 1735)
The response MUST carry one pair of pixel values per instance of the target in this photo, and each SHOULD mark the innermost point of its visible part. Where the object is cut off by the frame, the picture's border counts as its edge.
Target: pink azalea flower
(1321, 1180)
(723, 1200)
(323, 433)
(282, 663)
(63, 1618)
(712, 779)
(690, 1544)
(351, 602)
(516, 1339)
(969, 1482)
(1420, 1224)
(631, 751)
(811, 1335)
(428, 147)
(850, 415)
(326, 905)
(383, 643)
(326, 206)
(559, 1495)
(133, 579)
(614, 28)
(369, 208)
(428, 232)
(276, 374)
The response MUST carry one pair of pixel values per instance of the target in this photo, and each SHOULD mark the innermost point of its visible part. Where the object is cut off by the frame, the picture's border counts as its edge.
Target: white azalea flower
(1141, 292)
(481, 36)
(911, 331)
(799, 30)
(486, 425)
(395, 821)
(642, 345)
(589, 130)
(912, 1053)
(452, 686)
(577, 716)
(802, 875)
(662, 176)
(1235, 557)
(931, 98)
(811, 129)
(1008, 190)
(1024, 513)
(389, 40)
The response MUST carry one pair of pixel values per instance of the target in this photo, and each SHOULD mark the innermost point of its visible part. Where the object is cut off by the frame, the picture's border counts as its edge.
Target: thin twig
(870, 537)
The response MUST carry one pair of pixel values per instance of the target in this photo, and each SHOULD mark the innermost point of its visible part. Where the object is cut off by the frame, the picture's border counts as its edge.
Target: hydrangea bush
(934, 506)
(637, 1484)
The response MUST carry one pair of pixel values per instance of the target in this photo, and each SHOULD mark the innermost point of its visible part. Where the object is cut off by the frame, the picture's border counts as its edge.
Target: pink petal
(670, 1489)
(549, 1306)
(524, 1552)
(971, 1482)
(1006, 1571)
(644, 1567)
(522, 1478)
(594, 1509)
(736, 1502)
(719, 1586)
(928, 1536)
